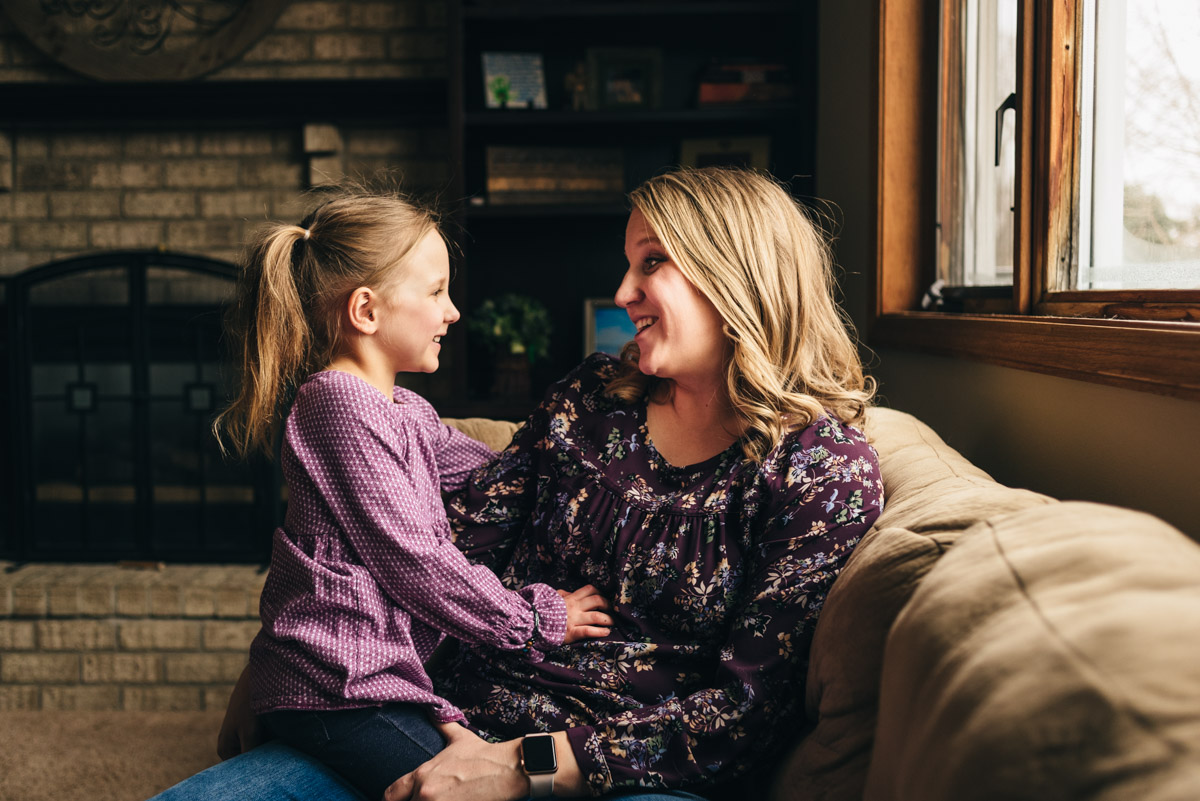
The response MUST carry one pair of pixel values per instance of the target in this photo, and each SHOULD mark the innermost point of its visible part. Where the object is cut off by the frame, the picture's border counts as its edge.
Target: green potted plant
(516, 328)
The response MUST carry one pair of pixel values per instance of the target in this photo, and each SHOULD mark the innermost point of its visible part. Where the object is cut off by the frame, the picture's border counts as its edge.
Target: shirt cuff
(550, 619)
(590, 756)
(447, 713)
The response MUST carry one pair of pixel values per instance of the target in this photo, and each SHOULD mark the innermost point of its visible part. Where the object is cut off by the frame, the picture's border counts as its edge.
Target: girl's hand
(467, 769)
(585, 615)
(241, 729)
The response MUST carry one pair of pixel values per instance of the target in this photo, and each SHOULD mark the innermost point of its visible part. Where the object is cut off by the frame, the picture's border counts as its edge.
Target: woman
(710, 483)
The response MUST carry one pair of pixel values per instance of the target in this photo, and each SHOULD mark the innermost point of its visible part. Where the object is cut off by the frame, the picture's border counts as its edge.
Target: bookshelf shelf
(540, 9)
(588, 119)
(547, 210)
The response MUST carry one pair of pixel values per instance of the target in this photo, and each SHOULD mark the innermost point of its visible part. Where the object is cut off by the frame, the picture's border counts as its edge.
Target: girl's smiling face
(680, 332)
(417, 310)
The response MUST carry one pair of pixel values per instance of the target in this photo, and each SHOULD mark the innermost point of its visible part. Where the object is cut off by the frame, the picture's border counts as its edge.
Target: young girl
(364, 579)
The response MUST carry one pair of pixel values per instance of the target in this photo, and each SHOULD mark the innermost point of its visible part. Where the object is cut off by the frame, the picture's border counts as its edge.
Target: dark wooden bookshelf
(565, 253)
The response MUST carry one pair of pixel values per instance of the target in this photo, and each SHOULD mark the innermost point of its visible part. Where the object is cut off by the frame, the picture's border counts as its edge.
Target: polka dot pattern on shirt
(364, 579)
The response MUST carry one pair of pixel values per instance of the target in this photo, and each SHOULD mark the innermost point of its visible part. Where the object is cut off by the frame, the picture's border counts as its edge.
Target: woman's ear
(361, 308)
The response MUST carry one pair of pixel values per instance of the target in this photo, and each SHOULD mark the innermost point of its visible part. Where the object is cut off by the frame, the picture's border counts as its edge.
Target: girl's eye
(438, 292)
(651, 264)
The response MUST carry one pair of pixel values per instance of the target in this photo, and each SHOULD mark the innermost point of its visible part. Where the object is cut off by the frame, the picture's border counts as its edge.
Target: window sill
(1163, 358)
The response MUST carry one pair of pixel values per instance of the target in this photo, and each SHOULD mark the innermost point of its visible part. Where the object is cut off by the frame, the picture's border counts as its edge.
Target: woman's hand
(585, 615)
(468, 769)
(241, 729)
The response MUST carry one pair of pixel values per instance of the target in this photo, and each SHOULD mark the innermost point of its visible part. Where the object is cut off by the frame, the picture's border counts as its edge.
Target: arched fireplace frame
(117, 355)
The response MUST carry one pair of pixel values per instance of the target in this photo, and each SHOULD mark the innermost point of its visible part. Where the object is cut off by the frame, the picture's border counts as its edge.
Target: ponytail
(286, 319)
(274, 343)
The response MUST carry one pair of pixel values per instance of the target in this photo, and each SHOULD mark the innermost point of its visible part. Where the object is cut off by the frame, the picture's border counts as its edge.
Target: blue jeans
(369, 747)
(276, 772)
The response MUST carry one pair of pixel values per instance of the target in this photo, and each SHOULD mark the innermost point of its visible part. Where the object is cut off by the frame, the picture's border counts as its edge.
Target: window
(1139, 147)
(976, 148)
(1079, 255)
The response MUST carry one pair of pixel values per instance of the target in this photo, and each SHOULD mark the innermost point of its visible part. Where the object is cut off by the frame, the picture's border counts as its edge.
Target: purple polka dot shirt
(365, 580)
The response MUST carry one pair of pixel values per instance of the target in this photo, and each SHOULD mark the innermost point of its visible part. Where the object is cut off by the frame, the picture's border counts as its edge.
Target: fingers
(399, 790)
(594, 619)
(577, 633)
(454, 731)
(588, 597)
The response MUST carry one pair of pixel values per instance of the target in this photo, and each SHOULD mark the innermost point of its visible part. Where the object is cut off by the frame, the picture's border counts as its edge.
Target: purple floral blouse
(717, 572)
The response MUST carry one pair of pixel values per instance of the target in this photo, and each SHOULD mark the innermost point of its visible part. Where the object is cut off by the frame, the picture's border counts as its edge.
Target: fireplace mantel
(94, 104)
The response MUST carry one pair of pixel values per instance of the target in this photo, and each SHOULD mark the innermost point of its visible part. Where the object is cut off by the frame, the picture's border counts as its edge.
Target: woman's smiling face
(679, 330)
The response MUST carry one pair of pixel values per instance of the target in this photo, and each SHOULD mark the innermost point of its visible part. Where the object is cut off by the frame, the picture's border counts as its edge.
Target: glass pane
(113, 380)
(168, 286)
(58, 435)
(106, 287)
(83, 476)
(1142, 113)
(977, 142)
(169, 379)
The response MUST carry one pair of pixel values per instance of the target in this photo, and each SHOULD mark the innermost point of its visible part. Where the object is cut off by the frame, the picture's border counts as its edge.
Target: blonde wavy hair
(754, 252)
(285, 322)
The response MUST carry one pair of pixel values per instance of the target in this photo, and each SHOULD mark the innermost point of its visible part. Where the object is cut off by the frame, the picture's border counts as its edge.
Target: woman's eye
(651, 263)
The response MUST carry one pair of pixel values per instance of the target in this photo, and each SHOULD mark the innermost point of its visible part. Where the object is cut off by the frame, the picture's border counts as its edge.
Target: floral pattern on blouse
(717, 572)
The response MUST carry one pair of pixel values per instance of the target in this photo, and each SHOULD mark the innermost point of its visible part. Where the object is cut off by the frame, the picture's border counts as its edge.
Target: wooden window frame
(1143, 340)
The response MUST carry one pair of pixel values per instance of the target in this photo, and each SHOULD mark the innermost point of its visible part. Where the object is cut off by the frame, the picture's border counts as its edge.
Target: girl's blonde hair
(286, 319)
(749, 248)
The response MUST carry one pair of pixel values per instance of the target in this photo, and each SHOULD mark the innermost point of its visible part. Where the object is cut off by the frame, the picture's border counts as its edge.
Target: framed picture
(514, 80)
(625, 78)
(733, 151)
(606, 327)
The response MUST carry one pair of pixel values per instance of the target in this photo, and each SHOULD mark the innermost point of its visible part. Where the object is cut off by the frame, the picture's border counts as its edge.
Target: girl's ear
(361, 309)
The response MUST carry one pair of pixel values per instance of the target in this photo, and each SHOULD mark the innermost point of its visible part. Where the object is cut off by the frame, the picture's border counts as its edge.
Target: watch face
(538, 754)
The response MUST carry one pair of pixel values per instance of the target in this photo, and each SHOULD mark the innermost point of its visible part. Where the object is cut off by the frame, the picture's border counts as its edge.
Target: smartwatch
(540, 763)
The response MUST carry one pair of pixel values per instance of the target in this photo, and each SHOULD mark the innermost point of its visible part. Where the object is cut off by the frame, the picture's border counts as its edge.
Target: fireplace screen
(115, 373)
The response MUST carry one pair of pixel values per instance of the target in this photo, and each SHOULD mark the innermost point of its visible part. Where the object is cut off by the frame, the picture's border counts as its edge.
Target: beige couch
(985, 642)
(982, 643)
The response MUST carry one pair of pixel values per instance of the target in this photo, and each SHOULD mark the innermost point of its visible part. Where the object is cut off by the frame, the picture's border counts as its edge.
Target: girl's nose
(452, 313)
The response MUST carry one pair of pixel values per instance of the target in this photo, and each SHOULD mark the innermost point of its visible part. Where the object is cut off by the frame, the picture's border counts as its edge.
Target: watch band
(539, 763)
(541, 785)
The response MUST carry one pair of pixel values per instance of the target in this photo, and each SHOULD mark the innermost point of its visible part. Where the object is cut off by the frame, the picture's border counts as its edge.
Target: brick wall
(105, 637)
(108, 187)
(188, 191)
(329, 39)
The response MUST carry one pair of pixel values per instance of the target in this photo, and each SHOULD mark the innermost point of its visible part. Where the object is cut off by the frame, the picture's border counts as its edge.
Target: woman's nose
(628, 292)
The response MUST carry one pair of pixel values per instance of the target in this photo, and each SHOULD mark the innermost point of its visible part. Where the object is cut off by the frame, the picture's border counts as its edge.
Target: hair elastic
(307, 233)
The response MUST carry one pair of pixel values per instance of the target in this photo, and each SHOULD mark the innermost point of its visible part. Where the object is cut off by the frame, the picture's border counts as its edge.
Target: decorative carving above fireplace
(143, 40)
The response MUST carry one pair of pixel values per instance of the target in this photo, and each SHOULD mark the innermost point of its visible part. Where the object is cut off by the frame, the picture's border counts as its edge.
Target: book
(745, 82)
(518, 175)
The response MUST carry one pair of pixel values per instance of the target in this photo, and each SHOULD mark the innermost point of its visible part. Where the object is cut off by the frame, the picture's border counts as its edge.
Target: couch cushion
(1052, 653)
(496, 434)
(931, 494)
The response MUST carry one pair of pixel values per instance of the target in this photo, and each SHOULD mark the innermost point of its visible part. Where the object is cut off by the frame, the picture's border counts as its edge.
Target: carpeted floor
(102, 756)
